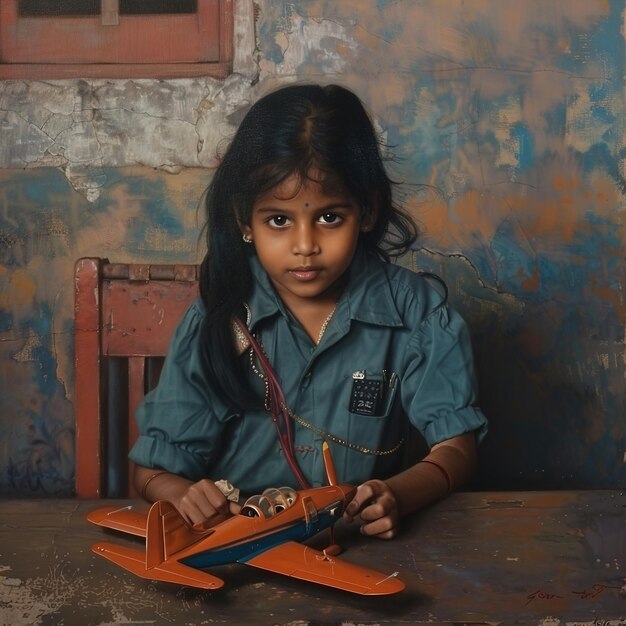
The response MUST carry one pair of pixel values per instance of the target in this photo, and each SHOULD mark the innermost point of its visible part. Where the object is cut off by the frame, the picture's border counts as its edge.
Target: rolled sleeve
(180, 422)
(439, 386)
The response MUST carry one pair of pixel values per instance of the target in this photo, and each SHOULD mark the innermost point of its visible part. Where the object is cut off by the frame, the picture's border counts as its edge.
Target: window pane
(139, 7)
(29, 8)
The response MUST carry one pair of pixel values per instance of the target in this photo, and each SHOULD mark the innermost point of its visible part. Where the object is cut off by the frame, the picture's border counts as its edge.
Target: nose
(305, 242)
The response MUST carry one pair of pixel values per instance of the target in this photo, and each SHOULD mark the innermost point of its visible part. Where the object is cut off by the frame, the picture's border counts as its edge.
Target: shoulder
(415, 293)
(192, 318)
(186, 335)
(382, 293)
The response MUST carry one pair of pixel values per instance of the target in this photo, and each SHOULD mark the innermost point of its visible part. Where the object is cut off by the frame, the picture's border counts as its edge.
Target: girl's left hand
(376, 505)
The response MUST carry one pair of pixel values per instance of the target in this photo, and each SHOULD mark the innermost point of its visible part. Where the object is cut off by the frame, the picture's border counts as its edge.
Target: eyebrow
(322, 209)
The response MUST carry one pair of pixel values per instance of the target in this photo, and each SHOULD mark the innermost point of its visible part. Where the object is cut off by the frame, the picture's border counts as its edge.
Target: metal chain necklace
(325, 325)
(301, 421)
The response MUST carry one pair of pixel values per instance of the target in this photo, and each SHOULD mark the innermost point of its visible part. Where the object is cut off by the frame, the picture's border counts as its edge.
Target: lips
(305, 274)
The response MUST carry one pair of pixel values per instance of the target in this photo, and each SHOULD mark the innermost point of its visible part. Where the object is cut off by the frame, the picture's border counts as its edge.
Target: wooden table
(545, 558)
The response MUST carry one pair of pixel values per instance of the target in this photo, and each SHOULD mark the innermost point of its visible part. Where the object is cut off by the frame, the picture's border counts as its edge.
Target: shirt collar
(263, 301)
(367, 298)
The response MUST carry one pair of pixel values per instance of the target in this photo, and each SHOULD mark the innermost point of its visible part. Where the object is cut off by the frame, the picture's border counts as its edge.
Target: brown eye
(278, 221)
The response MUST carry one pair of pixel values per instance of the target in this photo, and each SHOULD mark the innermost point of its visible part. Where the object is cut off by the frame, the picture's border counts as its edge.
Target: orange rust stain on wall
(556, 218)
(4, 293)
(554, 208)
(455, 225)
(559, 219)
(531, 284)
(22, 289)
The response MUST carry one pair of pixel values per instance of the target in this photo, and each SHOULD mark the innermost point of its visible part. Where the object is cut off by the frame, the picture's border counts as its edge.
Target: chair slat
(87, 332)
(136, 387)
(125, 315)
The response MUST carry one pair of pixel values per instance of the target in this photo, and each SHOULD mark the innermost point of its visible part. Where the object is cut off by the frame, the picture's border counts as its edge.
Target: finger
(389, 534)
(375, 509)
(202, 520)
(382, 528)
(364, 494)
(214, 496)
(193, 514)
(204, 500)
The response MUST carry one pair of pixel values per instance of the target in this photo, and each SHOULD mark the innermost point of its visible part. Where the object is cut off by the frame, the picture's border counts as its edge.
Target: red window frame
(112, 46)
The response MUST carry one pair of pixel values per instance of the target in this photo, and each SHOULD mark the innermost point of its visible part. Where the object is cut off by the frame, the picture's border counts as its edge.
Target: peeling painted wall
(507, 123)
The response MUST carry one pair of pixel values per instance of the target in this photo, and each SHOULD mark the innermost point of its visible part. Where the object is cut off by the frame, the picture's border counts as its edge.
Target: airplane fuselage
(241, 538)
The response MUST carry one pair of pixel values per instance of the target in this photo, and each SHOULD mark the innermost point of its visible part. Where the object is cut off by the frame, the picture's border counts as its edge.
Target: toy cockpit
(269, 503)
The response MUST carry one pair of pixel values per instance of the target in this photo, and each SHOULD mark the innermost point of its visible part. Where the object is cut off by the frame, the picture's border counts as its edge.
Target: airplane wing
(300, 561)
(169, 571)
(124, 519)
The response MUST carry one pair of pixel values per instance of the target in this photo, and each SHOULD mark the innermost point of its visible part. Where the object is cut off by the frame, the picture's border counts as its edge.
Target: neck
(314, 318)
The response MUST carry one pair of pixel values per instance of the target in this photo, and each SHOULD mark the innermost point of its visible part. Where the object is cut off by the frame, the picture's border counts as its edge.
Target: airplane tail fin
(167, 533)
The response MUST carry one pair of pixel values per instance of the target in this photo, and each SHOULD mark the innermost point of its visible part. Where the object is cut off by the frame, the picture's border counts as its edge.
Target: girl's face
(305, 239)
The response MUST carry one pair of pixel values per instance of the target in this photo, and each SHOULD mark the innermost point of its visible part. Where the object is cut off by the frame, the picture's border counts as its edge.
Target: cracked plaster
(77, 125)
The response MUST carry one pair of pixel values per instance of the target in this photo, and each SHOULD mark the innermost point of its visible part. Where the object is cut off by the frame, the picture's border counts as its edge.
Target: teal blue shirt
(391, 331)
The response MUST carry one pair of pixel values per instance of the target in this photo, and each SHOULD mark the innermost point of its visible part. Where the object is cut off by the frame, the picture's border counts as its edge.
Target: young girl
(301, 225)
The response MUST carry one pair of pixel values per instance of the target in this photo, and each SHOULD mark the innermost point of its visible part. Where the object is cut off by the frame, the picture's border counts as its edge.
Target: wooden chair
(124, 317)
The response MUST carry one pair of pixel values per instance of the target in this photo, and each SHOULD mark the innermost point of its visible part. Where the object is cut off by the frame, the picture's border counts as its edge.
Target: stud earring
(246, 239)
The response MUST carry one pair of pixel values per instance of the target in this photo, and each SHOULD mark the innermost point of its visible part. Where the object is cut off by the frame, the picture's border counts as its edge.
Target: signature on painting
(598, 621)
(585, 594)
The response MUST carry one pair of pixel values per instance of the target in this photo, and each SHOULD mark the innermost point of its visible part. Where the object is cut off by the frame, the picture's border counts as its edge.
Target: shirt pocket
(372, 394)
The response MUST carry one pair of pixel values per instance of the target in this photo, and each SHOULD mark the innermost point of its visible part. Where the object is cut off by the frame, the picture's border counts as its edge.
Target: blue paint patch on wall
(268, 27)
(556, 119)
(56, 185)
(45, 375)
(599, 158)
(43, 465)
(434, 130)
(598, 92)
(6, 320)
(608, 38)
(526, 146)
(514, 265)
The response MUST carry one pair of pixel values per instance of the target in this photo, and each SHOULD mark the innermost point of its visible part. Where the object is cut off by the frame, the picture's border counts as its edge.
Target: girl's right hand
(203, 504)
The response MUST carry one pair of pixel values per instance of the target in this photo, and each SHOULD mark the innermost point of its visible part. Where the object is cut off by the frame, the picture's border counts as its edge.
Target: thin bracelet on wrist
(443, 470)
(148, 481)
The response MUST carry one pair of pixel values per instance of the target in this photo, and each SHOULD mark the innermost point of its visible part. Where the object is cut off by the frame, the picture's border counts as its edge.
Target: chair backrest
(124, 317)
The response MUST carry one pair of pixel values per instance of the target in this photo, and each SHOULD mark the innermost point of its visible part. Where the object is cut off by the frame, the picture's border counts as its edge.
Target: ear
(368, 222)
(246, 231)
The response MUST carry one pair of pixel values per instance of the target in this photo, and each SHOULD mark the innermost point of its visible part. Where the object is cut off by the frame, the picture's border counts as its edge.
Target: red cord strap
(277, 407)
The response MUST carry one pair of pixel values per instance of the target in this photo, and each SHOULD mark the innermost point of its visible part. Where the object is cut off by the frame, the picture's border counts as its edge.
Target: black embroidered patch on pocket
(367, 395)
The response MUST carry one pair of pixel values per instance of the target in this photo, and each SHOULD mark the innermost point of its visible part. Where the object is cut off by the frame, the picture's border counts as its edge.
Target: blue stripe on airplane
(242, 552)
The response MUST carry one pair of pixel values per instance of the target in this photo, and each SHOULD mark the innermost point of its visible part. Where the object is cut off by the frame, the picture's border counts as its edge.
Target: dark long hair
(287, 132)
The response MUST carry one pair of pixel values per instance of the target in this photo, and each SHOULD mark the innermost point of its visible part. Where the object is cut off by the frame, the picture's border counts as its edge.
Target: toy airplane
(265, 534)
